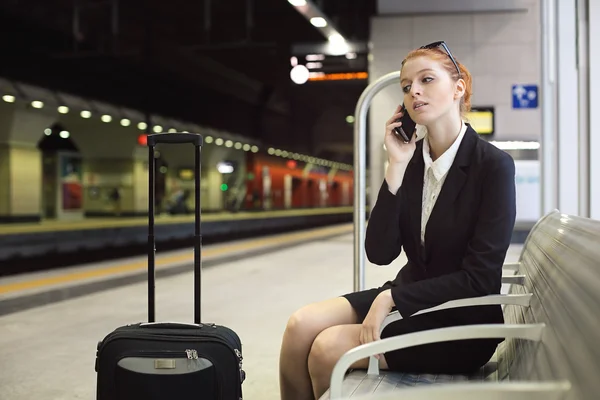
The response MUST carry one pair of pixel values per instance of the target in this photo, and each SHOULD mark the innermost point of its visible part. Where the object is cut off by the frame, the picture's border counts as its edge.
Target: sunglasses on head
(446, 49)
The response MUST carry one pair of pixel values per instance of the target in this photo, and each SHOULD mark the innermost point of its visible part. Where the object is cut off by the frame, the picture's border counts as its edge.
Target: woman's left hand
(381, 307)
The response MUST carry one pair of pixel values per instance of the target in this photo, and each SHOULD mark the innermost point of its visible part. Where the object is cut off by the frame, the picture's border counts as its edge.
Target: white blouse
(435, 174)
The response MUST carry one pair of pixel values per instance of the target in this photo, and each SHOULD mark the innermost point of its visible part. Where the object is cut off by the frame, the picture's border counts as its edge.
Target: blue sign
(525, 96)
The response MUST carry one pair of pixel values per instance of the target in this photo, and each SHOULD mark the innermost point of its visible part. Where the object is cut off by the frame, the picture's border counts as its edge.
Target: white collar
(442, 165)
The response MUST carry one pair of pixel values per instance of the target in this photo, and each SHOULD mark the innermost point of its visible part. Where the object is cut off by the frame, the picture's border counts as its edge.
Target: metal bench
(551, 330)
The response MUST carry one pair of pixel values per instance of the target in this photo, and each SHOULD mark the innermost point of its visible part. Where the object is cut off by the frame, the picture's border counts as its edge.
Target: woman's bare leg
(302, 329)
(327, 349)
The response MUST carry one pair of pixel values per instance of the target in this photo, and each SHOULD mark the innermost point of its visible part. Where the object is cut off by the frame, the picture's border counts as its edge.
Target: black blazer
(466, 238)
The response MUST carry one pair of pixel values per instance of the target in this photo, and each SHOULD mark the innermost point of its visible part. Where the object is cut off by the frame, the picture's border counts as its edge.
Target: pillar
(21, 127)
(594, 105)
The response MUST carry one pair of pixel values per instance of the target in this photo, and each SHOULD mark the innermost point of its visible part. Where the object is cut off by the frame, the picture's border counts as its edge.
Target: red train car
(280, 183)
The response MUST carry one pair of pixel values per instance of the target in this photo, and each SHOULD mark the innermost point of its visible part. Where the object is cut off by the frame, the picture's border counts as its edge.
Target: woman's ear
(460, 89)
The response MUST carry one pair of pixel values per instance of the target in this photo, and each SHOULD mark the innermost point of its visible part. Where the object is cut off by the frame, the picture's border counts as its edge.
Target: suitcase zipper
(190, 354)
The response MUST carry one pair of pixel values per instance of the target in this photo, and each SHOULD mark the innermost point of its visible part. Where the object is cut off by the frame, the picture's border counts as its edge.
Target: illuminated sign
(186, 174)
(342, 76)
(482, 120)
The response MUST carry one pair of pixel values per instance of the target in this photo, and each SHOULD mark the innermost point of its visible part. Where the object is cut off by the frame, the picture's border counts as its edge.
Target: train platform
(51, 322)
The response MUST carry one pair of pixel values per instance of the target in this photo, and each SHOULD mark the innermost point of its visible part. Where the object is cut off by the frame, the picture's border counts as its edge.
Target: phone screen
(407, 130)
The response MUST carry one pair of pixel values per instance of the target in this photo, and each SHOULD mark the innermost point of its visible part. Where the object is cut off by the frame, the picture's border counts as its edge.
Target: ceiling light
(337, 44)
(85, 114)
(297, 3)
(63, 109)
(142, 126)
(299, 74)
(319, 22)
(64, 134)
(125, 122)
(37, 104)
(8, 98)
(106, 118)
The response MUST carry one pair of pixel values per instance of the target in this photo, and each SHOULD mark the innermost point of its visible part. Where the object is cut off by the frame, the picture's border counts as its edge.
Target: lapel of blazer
(414, 185)
(453, 184)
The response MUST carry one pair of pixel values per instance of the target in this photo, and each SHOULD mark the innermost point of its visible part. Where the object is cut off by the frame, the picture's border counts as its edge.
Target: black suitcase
(169, 360)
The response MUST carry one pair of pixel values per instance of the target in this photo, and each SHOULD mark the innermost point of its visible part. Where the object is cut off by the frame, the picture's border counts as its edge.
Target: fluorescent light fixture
(516, 145)
(297, 3)
(315, 57)
(319, 22)
(337, 44)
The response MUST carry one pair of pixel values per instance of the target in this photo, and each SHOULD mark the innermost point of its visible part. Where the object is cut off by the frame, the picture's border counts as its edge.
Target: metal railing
(360, 152)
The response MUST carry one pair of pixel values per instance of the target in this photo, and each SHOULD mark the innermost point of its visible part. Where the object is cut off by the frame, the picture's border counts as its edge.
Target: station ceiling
(228, 68)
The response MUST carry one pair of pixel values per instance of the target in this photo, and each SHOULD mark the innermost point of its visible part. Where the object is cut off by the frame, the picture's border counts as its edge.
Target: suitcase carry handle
(156, 138)
(170, 325)
(153, 139)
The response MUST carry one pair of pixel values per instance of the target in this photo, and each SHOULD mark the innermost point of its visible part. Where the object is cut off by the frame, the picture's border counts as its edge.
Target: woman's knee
(309, 321)
(302, 325)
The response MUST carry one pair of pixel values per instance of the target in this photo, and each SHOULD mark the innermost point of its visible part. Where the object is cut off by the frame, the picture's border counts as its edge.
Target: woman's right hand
(398, 151)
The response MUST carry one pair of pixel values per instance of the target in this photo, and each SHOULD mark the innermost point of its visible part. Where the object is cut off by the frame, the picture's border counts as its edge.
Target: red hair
(439, 55)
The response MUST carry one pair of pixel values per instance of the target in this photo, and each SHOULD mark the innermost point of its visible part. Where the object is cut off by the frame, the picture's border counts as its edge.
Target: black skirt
(453, 357)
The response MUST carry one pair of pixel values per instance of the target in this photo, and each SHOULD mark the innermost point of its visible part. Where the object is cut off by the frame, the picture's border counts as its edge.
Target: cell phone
(407, 130)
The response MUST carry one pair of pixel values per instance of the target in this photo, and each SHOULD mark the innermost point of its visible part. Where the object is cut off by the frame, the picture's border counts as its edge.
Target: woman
(447, 200)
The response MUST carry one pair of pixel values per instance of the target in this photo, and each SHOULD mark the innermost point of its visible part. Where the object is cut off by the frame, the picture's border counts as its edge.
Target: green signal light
(224, 187)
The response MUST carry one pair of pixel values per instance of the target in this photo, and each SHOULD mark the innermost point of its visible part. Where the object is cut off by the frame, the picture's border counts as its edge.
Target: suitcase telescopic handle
(155, 138)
